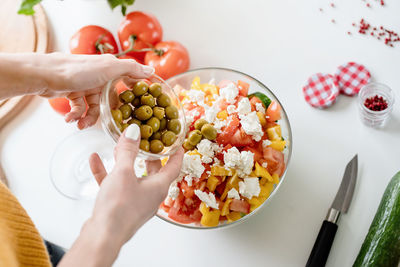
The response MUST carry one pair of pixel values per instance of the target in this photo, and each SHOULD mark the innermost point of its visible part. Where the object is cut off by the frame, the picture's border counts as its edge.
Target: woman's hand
(76, 77)
(124, 202)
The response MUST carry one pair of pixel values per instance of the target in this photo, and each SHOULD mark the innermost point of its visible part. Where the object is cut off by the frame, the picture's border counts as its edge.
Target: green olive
(174, 125)
(144, 145)
(156, 146)
(119, 126)
(143, 113)
(163, 124)
(199, 123)
(154, 123)
(156, 135)
(140, 88)
(171, 112)
(126, 96)
(148, 99)
(136, 102)
(155, 89)
(145, 131)
(126, 111)
(168, 138)
(158, 112)
(209, 132)
(187, 145)
(124, 126)
(136, 121)
(163, 100)
(194, 137)
(117, 115)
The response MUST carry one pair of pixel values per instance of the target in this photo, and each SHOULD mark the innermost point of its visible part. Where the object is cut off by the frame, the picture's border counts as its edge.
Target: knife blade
(341, 203)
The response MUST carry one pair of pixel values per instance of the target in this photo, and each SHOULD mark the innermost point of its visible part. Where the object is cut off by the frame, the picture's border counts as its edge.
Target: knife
(326, 235)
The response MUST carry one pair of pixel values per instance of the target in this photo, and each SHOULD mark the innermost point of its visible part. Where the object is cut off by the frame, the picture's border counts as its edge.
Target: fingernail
(147, 70)
(132, 132)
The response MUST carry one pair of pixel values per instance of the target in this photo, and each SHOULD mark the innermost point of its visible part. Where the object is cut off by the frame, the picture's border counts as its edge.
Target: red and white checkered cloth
(321, 90)
(352, 77)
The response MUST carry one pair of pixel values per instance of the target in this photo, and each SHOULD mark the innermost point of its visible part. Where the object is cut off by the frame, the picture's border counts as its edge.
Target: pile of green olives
(202, 129)
(148, 107)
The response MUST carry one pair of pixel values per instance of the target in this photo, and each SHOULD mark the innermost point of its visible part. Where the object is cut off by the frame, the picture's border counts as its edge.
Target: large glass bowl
(109, 100)
(218, 74)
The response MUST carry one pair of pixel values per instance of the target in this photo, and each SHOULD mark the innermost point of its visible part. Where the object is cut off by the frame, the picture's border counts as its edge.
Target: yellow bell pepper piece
(221, 171)
(278, 145)
(211, 218)
(212, 183)
(203, 208)
(196, 83)
(266, 189)
(255, 202)
(194, 152)
(260, 171)
(209, 88)
(262, 119)
(276, 178)
(233, 182)
(222, 115)
(275, 133)
(233, 216)
(225, 207)
(164, 161)
(225, 193)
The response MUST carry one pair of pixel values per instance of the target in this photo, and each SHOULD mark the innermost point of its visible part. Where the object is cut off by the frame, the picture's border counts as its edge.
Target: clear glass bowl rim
(264, 87)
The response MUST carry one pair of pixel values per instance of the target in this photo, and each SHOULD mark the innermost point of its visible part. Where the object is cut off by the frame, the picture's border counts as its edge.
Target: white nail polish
(148, 70)
(132, 132)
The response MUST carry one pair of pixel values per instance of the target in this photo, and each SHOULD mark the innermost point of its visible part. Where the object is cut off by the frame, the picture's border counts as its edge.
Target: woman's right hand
(124, 203)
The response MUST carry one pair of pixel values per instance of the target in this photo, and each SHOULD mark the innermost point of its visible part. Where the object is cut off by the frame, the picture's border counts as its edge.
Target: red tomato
(60, 105)
(188, 191)
(274, 112)
(256, 151)
(93, 39)
(241, 139)
(240, 206)
(225, 137)
(243, 88)
(185, 210)
(172, 60)
(275, 160)
(145, 29)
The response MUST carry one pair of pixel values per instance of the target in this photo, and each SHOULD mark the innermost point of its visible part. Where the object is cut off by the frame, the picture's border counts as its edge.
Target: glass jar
(371, 118)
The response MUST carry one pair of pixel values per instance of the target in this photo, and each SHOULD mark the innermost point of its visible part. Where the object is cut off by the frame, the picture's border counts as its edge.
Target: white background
(281, 43)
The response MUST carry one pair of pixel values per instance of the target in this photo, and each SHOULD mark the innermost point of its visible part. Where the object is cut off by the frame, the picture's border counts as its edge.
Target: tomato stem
(103, 48)
(132, 39)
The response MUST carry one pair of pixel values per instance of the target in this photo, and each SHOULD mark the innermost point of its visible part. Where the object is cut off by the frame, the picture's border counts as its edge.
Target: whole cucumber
(381, 247)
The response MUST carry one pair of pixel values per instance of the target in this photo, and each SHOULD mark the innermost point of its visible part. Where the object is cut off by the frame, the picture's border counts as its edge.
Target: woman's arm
(77, 77)
(124, 202)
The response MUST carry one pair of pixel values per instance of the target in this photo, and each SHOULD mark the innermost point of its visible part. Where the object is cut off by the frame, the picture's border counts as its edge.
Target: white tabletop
(281, 43)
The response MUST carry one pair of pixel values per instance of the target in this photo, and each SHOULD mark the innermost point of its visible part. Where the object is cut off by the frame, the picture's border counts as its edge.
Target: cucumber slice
(264, 99)
(381, 247)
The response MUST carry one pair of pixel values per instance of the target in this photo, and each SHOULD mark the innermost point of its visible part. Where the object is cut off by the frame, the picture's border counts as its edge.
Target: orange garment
(20, 242)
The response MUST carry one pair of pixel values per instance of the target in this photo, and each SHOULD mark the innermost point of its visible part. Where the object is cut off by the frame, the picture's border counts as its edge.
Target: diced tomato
(241, 139)
(165, 207)
(224, 83)
(187, 190)
(225, 137)
(253, 101)
(184, 210)
(240, 206)
(243, 88)
(223, 105)
(201, 185)
(257, 152)
(220, 188)
(205, 175)
(273, 112)
(275, 160)
(238, 98)
(196, 215)
(222, 218)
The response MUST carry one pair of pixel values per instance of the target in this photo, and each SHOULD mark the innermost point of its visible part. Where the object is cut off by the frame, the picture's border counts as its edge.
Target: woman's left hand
(80, 77)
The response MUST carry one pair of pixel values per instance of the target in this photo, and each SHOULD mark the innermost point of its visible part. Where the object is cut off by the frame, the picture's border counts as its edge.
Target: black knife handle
(322, 245)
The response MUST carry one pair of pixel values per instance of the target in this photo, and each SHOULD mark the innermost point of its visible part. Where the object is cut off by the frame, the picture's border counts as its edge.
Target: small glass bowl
(110, 100)
(184, 81)
(376, 119)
